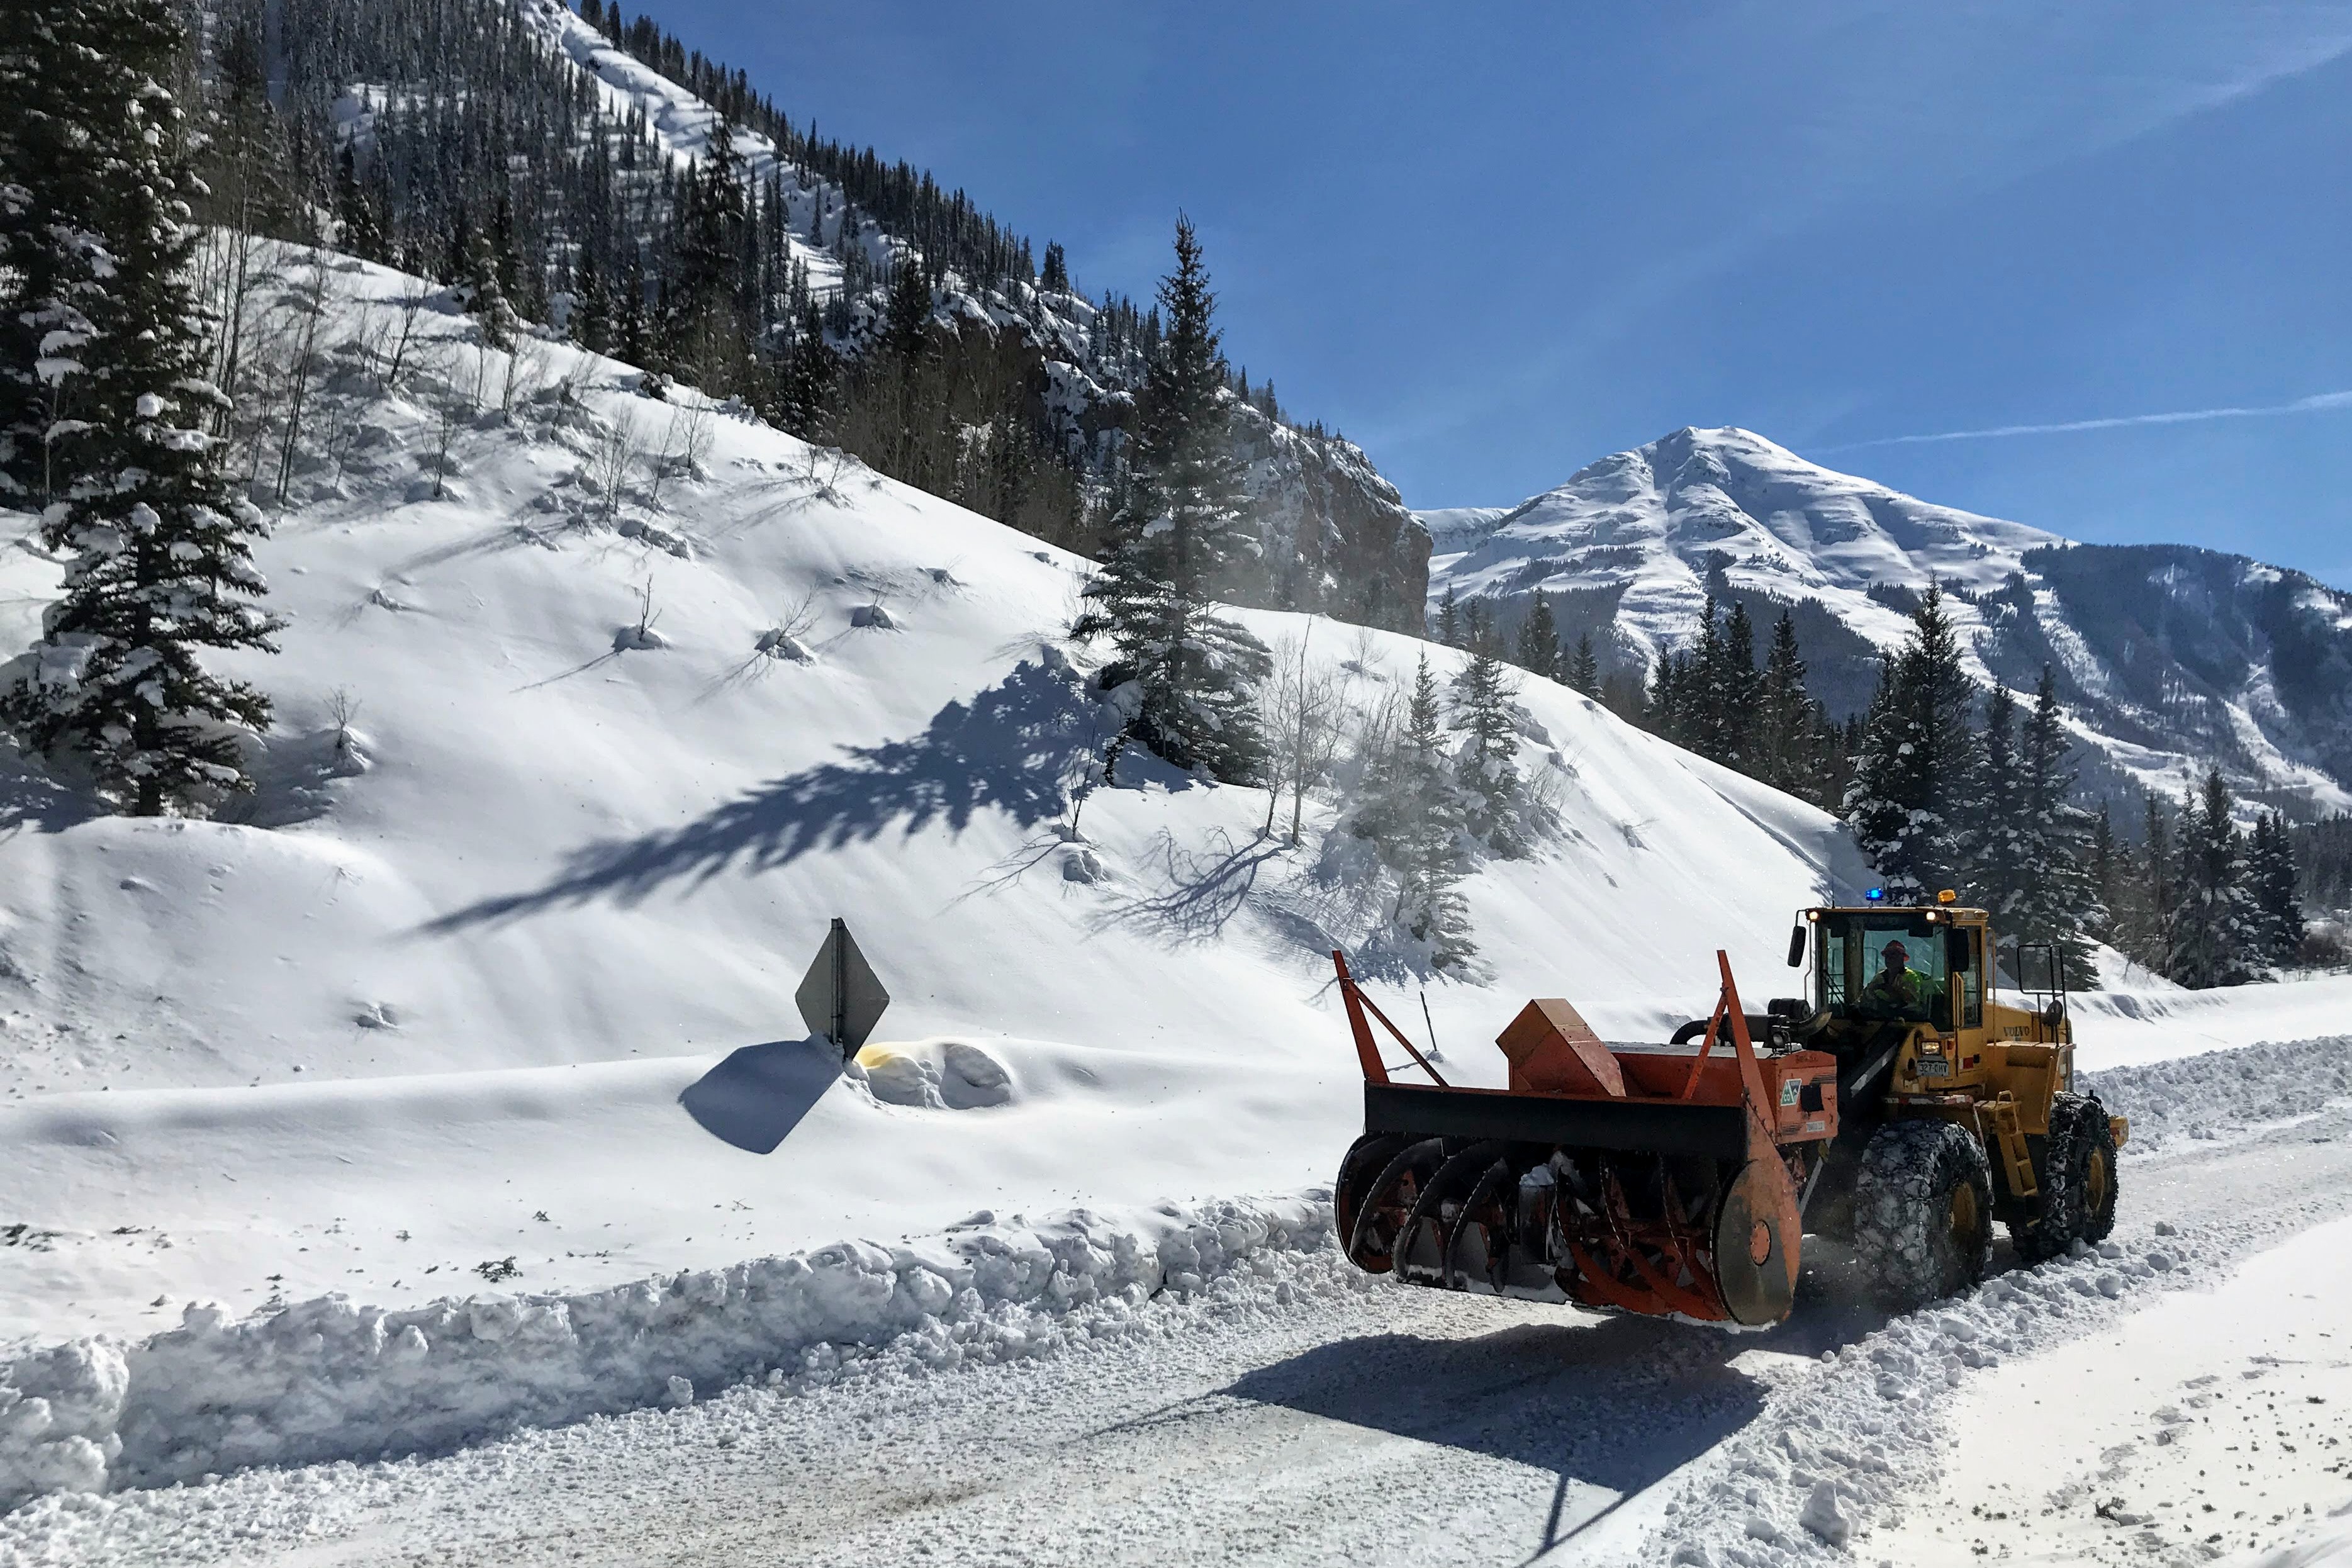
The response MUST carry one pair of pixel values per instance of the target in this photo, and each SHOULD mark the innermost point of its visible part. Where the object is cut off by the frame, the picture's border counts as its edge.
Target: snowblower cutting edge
(1663, 1180)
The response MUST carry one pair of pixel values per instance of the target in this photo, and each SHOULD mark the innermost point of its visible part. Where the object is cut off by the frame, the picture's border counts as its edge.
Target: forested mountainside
(2165, 658)
(589, 172)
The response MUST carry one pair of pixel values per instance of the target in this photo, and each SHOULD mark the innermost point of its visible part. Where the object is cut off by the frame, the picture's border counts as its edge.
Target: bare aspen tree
(609, 462)
(311, 310)
(526, 368)
(448, 416)
(1303, 703)
(405, 311)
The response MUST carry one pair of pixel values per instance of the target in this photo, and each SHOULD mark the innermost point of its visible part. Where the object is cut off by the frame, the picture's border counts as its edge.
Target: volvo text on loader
(1898, 1106)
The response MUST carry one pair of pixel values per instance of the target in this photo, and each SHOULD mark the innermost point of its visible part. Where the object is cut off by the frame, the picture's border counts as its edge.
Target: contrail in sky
(2314, 403)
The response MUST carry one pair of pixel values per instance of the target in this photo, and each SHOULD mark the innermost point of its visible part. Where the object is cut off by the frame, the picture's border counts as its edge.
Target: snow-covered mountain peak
(1657, 519)
(2167, 655)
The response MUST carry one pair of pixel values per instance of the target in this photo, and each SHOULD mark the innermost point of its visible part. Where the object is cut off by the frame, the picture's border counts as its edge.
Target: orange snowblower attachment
(1665, 1180)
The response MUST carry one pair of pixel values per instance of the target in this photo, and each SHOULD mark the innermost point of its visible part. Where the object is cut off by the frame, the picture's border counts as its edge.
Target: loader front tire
(2077, 1200)
(1922, 1213)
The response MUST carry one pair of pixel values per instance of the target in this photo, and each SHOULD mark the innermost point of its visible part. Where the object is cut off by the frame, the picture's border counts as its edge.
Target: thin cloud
(2317, 402)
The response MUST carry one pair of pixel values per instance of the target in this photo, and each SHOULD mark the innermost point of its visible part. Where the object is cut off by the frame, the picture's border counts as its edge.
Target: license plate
(1934, 1066)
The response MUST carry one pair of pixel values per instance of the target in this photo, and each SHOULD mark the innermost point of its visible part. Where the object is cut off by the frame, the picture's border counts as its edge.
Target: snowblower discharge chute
(1665, 1180)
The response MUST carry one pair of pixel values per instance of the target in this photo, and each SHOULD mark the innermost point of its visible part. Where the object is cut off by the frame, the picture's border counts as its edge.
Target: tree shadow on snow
(1008, 750)
(1199, 890)
(1611, 1408)
(756, 1097)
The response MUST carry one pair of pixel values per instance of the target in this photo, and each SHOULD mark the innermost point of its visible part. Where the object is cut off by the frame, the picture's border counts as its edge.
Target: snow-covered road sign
(839, 997)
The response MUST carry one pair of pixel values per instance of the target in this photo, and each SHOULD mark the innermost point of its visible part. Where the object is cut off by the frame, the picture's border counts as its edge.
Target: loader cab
(1900, 965)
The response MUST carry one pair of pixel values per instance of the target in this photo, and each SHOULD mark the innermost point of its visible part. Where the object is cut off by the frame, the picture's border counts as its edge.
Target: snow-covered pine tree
(1582, 671)
(590, 322)
(2154, 894)
(2057, 899)
(1788, 722)
(1179, 532)
(2214, 930)
(2106, 868)
(1912, 774)
(1488, 768)
(485, 297)
(1996, 844)
(2278, 906)
(96, 249)
(1735, 690)
(1538, 640)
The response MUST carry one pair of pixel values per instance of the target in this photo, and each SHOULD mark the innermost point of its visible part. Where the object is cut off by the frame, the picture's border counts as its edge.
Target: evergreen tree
(94, 252)
(1449, 619)
(1539, 640)
(2058, 899)
(2154, 893)
(1411, 811)
(357, 232)
(2278, 908)
(1997, 847)
(1179, 530)
(1478, 629)
(1055, 277)
(1735, 691)
(805, 387)
(591, 321)
(1912, 776)
(631, 344)
(2214, 930)
(485, 297)
(1487, 767)
(1583, 672)
(1782, 752)
(2107, 872)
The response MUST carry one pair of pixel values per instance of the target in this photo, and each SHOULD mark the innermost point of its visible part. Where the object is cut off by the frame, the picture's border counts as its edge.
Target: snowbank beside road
(2223, 1094)
(330, 1380)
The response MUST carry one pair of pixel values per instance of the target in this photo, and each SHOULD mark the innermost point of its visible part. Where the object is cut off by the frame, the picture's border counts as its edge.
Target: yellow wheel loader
(1900, 1106)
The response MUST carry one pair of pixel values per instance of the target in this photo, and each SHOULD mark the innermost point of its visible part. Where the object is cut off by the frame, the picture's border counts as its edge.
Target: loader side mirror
(1797, 946)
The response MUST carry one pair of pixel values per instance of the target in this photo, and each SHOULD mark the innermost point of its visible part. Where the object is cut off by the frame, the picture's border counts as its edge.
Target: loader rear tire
(1922, 1213)
(2077, 1200)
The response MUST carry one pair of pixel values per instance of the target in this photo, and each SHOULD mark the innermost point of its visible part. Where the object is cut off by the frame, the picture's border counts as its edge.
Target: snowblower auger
(1657, 1179)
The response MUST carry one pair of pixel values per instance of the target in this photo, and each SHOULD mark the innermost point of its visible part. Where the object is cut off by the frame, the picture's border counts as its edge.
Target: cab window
(1884, 967)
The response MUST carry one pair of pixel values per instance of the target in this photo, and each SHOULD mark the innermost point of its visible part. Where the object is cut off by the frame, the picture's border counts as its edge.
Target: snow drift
(327, 1379)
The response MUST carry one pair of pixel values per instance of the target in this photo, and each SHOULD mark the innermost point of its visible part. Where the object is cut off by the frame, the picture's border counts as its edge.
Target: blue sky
(1492, 243)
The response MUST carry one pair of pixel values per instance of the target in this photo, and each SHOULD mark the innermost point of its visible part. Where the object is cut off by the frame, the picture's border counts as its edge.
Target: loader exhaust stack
(1665, 1180)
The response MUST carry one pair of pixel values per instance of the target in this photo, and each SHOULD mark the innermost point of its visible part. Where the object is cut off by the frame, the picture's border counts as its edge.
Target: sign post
(840, 997)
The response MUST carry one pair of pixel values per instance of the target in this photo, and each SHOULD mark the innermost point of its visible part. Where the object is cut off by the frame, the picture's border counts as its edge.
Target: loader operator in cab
(1899, 990)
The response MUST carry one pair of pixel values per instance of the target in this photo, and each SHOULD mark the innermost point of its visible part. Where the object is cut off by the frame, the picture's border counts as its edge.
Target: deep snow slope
(454, 971)
(2166, 656)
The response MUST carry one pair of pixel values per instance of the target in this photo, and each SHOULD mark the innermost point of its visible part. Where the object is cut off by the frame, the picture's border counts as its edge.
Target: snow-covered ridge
(2167, 658)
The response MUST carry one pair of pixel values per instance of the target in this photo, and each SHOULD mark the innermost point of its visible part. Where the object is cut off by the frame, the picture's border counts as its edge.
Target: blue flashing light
(1876, 895)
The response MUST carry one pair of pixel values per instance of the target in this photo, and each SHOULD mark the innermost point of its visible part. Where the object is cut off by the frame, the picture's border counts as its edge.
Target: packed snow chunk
(938, 1075)
(1823, 1516)
(58, 1412)
(681, 1391)
(1081, 864)
(875, 615)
